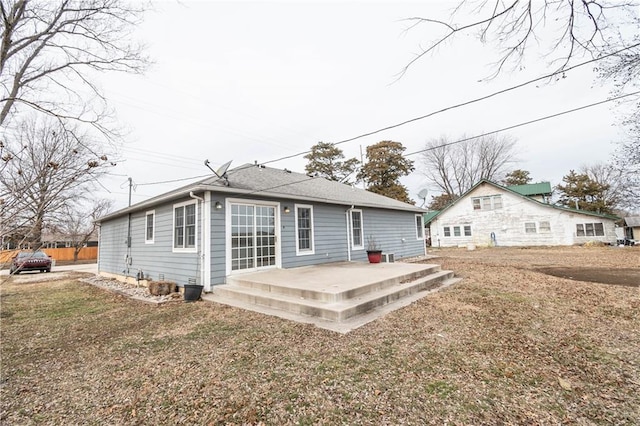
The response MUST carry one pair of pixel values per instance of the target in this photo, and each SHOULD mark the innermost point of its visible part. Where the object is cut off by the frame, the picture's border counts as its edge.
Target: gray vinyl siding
(394, 231)
(330, 236)
(218, 242)
(152, 259)
(112, 246)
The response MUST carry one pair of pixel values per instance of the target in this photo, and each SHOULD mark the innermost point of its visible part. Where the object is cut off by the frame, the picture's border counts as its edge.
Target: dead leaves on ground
(505, 345)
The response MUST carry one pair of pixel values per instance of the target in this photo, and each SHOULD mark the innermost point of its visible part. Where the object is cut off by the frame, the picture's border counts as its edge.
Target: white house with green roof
(491, 214)
(253, 218)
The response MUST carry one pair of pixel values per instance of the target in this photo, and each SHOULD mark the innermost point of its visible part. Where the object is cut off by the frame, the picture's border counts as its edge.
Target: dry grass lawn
(507, 345)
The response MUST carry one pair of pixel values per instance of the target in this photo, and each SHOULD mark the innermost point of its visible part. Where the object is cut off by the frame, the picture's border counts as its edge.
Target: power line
(525, 123)
(448, 143)
(173, 180)
(476, 100)
(482, 98)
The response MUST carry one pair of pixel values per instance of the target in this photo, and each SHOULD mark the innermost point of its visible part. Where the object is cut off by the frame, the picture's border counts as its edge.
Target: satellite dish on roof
(423, 195)
(222, 170)
(221, 173)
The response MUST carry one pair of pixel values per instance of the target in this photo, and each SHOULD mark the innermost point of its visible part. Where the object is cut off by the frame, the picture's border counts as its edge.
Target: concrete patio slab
(335, 296)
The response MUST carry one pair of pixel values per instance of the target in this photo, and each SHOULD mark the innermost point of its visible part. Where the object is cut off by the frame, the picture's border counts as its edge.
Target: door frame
(247, 201)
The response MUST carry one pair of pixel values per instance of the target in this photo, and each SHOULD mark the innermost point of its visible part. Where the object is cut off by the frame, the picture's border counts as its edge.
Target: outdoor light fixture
(218, 205)
(286, 209)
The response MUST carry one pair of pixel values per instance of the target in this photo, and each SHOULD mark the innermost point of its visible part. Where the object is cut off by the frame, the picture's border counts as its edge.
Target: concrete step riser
(283, 305)
(393, 297)
(331, 297)
(330, 312)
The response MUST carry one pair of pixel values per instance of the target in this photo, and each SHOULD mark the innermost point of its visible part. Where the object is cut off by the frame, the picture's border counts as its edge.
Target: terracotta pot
(375, 256)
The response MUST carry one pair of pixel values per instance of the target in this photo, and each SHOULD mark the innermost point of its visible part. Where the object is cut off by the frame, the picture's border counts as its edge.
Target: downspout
(348, 222)
(206, 241)
(201, 248)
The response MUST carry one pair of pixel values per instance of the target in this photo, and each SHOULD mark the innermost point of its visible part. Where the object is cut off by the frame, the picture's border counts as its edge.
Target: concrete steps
(330, 303)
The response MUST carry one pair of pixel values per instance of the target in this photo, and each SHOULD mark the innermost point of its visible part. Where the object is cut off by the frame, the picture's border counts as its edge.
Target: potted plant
(374, 252)
(192, 291)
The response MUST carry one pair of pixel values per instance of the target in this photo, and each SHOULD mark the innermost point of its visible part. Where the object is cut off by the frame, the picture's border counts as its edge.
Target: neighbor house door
(254, 236)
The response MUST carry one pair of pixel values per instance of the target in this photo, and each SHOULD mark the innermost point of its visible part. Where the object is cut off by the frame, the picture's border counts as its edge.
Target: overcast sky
(258, 81)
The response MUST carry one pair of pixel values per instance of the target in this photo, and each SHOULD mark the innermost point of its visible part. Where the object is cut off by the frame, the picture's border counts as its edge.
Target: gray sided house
(256, 218)
(491, 214)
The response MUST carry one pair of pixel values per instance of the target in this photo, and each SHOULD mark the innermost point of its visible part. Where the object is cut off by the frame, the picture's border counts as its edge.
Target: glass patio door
(253, 236)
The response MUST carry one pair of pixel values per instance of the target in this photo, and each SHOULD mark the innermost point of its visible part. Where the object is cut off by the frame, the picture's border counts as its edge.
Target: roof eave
(223, 189)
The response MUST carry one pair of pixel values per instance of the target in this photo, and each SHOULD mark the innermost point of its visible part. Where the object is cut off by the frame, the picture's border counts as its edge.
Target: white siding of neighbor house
(508, 223)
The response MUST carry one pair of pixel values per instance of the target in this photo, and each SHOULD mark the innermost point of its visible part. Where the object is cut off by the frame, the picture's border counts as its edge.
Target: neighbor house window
(530, 227)
(492, 202)
(544, 227)
(304, 229)
(356, 229)
(150, 224)
(419, 227)
(590, 230)
(184, 226)
(457, 231)
(599, 229)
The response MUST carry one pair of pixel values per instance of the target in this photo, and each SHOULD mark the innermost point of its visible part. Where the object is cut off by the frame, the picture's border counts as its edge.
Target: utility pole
(130, 186)
(364, 184)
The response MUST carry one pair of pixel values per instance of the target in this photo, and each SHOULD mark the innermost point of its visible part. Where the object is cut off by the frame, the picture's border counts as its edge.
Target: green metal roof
(428, 217)
(530, 189)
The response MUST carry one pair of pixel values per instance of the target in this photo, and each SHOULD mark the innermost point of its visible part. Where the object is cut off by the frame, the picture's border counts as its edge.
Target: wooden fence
(58, 254)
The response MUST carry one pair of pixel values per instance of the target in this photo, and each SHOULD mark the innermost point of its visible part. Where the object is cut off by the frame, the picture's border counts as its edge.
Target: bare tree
(455, 167)
(77, 224)
(50, 52)
(620, 184)
(50, 170)
(559, 30)
(562, 32)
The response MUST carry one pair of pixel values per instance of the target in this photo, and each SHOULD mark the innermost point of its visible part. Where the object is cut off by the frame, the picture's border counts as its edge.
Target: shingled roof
(260, 181)
(632, 221)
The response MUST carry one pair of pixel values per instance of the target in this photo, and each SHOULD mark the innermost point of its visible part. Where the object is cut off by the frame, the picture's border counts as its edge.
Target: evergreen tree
(441, 201)
(384, 168)
(327, 161)
(516, 177)
(581, 192)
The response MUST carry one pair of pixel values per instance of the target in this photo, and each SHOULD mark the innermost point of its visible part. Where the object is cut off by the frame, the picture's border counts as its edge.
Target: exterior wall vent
(388, 257)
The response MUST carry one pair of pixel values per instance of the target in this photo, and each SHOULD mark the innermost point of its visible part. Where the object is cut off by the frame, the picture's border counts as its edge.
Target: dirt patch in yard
(623, 276)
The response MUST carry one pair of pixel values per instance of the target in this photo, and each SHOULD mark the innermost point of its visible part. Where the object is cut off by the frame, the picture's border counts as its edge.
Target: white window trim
(353, 246)
(312, 249)
(175, 249)
(420, 234)
(452, 231)
(146, 225)
(248, 201)
(492, 202)
(533, 231)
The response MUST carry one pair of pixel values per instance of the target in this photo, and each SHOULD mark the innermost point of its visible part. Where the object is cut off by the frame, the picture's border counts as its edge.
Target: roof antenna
(221, 173)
